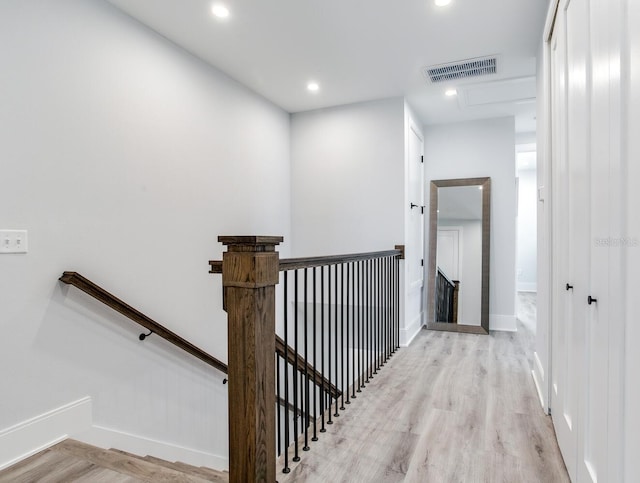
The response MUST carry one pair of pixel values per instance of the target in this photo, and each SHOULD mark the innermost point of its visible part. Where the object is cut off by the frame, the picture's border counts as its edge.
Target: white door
(415, 227)
(579, 222)
(584, 75)
(448, 252)
(563, 388)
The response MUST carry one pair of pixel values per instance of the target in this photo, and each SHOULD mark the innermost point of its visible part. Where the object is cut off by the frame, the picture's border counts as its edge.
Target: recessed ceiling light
(479, 187)
(313, 86)
(220, 11)
(451, 92)
(442, 3)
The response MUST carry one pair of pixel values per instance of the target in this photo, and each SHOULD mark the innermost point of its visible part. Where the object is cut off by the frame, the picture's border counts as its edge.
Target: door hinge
(422, 159)
(422, 262)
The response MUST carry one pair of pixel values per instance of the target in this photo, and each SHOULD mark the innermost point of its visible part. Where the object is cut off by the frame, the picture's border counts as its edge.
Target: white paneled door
(563, 385)
(585, 75)
(415, 246)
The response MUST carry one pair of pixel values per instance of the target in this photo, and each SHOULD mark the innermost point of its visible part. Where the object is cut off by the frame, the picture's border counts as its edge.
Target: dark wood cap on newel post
(250, 269)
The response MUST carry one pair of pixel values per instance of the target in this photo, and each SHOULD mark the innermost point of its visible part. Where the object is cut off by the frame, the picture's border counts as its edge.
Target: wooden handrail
(314, 375)
(87, 286)
(310, 262)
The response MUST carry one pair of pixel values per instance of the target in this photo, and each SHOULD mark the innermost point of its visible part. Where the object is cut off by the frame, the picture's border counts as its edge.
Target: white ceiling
(359, 50)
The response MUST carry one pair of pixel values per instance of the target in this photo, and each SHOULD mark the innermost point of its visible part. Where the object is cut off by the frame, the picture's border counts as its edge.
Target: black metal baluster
(353, 331)
(342, 335)
(296, 456)
(397, 303)
(278, 407)
(335, 326)
(380, 316)
(369, 320)
(286, 468)
(360, 331)
(381, 299)
(306, 364)
(375, 316)
(385, 306)
(322, 391)
(302, 403)
(381, 312)
(393, 305)
(387, 293)
(390, 268)
(315, 367)
(346, 343)
(329, 421)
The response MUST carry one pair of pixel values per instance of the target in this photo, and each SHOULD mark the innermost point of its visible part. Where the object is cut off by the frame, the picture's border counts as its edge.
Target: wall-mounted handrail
(97, 292)
(89, 287)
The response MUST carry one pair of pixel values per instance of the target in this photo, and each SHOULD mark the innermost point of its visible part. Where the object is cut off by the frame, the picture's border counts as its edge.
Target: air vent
(462, 70)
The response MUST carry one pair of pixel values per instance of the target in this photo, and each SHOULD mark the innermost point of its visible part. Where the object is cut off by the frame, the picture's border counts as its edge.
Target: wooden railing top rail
(87, 286)
(310, 262)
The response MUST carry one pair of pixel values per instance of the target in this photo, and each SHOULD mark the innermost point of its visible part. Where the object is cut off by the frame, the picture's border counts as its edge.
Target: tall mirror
(458, 288)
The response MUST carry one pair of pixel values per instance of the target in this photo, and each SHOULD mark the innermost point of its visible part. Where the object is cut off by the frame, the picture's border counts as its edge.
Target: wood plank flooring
(72, 461)
(450, 408)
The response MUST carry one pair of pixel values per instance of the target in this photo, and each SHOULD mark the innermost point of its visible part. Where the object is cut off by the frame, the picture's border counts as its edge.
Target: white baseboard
(538, 363)
(36, 434)
(540, 396)
(538, 379)
(504, 323)
(109, 438)
(527, 287)
(75, 420)
(408, 334)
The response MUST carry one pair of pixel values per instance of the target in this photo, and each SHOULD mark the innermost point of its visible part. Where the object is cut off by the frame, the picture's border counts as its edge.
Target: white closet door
(631, 448)
(578, 134)
(563, 413)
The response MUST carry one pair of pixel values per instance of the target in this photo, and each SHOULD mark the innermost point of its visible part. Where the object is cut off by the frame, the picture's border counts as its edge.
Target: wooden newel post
(250, 268)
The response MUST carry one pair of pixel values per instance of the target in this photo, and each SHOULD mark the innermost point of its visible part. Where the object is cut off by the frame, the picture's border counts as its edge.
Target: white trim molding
(140, 445)
(75, 420)
(503, 323)
(36, 434)
(409, 333)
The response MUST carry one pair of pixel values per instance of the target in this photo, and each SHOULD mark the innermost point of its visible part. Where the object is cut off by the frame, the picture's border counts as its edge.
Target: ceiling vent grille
(462, 70)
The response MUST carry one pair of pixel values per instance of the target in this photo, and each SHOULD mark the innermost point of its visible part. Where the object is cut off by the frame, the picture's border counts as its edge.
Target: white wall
(347, 178)
(479, 149)
(125, 158)
(349, 182)
(526, 257)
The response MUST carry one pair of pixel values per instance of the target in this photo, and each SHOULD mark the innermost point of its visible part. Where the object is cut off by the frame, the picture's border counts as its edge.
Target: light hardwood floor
(73, 461)
(450, 408)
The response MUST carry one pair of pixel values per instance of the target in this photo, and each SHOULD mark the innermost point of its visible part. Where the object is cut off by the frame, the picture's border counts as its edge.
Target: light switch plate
(13, 241)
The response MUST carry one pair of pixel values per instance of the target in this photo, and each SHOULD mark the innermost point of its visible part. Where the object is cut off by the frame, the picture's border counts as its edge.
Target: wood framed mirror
(458, 270)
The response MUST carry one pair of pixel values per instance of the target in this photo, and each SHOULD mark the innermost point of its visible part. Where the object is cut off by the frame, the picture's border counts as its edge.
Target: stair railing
(340, 317)
(447, 292)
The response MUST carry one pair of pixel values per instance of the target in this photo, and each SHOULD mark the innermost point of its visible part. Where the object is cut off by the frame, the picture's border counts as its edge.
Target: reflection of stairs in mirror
(447, 291)
(72, 460)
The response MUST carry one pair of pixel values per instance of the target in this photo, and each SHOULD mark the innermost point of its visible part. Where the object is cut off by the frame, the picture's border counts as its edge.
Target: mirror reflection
(459, 279)
(459, 255)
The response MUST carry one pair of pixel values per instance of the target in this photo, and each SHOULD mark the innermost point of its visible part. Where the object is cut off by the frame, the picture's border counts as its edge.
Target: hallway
(450, 408)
